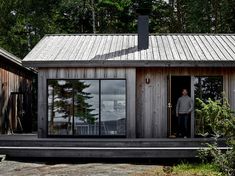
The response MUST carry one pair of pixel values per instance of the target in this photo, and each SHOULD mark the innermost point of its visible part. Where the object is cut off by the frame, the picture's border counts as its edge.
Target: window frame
(99, 135)
(201, 76)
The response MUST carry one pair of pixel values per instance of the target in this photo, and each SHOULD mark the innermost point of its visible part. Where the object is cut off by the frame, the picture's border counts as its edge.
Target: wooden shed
(107, 86)
(15, 95)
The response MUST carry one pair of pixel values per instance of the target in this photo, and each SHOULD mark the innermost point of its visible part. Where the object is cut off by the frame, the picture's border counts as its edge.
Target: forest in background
(24, 22)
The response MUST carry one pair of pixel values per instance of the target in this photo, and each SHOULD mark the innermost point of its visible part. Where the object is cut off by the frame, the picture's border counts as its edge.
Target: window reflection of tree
(208, 87)
(73, 107)
(84, 108)
(69, 100)
(205, 88)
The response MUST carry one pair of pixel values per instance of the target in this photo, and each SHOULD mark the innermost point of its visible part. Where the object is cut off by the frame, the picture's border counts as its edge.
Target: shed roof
(10, 58)
(89, 50)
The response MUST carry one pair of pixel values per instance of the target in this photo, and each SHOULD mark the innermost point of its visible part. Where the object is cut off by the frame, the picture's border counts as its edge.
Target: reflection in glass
(208, 87)
(60, 107)
(113, 111)
(86, 107)
(205, 88)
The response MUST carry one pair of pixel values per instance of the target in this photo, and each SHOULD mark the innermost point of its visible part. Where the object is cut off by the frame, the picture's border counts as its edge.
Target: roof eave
(131, 63)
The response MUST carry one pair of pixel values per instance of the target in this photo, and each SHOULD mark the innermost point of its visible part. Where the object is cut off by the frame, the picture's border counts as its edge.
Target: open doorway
(176, 84)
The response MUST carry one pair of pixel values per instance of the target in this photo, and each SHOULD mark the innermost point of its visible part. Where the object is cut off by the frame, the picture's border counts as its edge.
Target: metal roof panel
(123, 47)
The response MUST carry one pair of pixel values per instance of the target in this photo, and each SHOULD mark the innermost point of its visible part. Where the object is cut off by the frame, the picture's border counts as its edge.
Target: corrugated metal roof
(123, 47)
(13, 59)
(5, 54)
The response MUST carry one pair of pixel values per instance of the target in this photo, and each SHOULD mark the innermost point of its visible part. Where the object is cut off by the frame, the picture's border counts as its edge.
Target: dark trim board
(89, 152)
(127, 64)
(31, 146)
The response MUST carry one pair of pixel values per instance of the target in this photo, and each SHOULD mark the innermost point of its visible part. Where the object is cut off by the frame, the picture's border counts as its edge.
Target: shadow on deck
(31, 146)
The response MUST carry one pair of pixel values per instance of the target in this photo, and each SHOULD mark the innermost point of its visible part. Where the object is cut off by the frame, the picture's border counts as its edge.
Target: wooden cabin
(106, 86)
(114, 95)
(15, 95)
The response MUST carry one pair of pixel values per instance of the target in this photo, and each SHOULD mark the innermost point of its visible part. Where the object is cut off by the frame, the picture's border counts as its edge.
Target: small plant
(196, 169)
(221, 122)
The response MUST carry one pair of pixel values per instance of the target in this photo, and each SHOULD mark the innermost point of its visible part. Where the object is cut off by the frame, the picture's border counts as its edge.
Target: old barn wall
(86, 73)
(13, 78)
(151, 99)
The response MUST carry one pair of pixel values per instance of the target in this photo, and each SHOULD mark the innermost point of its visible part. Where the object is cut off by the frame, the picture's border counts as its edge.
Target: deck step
(102, 152)
(107, 143)
(31, 146)
(33, 141)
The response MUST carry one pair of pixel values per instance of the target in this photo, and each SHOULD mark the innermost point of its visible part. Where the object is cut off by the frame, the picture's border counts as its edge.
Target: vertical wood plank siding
(231, 92)
(151, 99)
(146, 103)
(151, 103)
(12, 79)
(86, 73)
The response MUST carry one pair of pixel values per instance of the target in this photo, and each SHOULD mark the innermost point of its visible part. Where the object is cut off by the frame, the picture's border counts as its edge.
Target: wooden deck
(31, 146)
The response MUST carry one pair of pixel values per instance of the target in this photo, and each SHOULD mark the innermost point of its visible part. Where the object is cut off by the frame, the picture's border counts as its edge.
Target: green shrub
(221, 122)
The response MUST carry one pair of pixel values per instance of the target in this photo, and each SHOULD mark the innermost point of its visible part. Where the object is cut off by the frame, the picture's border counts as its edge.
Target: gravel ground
(26, 168)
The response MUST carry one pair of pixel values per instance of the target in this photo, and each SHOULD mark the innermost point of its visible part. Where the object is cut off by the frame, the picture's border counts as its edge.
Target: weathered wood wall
(151, 100)
(13, 78)
(86, 73)
(151, 106)
(146, 103)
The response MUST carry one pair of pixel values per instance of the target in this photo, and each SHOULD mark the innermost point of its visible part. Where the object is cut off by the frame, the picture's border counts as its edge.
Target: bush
(221, 120)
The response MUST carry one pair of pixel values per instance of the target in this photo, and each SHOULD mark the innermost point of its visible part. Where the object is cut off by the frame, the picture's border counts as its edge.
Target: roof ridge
(134, 34)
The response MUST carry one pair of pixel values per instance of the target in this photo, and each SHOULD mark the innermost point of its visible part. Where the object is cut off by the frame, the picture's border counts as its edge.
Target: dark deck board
(31, 146)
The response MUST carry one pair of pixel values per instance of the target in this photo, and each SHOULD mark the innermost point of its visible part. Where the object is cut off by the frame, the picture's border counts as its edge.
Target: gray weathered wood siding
(146, 103)
(151, 99)
(151, 103)
(13, 78)
(86, 73)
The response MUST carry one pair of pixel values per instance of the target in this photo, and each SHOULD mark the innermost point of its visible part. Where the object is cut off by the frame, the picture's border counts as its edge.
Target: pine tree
(70, 101)
(82, 109)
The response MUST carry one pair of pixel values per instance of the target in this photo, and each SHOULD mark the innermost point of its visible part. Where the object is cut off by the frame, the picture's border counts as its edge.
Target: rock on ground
(22, 168)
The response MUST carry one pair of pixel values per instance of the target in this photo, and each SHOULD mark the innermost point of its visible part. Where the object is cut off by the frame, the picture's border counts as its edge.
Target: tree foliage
(69, 99)
(24, 22)
(221, 120)
(218, 116)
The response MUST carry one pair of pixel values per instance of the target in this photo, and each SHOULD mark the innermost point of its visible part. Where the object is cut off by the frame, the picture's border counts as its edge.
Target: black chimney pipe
(143, 32)
(143, 28)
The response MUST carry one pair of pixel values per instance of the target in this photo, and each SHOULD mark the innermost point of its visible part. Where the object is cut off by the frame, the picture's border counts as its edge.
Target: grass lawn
(183, 170)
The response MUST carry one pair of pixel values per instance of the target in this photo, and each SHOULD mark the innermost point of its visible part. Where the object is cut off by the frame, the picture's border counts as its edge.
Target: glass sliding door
(206, 87)
(86, 107)
(113, 111)
(60, 107)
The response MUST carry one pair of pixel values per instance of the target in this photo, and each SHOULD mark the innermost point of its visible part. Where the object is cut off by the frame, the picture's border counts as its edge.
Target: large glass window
(113, 103)
(60, 107)
(206, 87)
(86, 107)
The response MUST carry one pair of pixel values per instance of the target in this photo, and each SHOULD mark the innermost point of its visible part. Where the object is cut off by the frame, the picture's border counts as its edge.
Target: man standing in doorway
(184, 107)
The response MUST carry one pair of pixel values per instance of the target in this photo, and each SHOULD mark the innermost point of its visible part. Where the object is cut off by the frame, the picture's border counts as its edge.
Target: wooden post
(193, 112)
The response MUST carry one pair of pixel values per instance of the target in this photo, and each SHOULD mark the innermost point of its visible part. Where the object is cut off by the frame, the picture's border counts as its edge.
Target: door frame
(169, 104)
